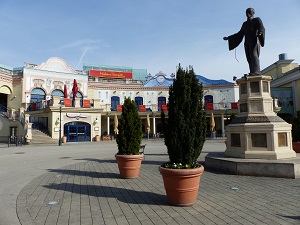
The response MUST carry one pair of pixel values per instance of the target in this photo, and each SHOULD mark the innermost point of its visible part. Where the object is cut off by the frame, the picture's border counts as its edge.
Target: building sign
(86, 103)
(68, 102)
(110, 74)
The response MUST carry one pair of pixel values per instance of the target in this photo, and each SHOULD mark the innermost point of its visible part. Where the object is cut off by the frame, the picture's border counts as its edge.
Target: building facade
(41, 97)
(285, 85)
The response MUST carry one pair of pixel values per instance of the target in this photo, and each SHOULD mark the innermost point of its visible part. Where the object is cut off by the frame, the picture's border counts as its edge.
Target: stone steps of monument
(42, 137)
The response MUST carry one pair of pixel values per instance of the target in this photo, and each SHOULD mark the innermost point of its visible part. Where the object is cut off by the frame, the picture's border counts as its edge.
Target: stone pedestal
(257, 132)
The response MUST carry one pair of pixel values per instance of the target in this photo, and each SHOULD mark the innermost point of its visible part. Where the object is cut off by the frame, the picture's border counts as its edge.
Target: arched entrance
(77, 131)
(4, 93)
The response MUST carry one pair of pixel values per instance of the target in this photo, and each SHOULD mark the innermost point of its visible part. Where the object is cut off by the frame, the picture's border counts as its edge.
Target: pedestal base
(285, 168)
(257, 132)
(259, 141)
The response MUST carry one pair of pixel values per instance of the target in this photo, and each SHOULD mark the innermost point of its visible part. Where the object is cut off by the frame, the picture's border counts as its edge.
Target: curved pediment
(56, 65)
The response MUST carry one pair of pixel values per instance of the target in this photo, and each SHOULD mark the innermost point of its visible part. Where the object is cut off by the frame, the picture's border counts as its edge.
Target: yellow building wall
(91, 94)
(14, 100)
(272, 72)
(288, 67)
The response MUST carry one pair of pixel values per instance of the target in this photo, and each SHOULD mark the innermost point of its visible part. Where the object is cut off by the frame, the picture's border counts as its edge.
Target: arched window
(138, 101)
(78, 95)
(208, 99)
(57, 92)
(115, 100)
(161, 102)
(37, 95)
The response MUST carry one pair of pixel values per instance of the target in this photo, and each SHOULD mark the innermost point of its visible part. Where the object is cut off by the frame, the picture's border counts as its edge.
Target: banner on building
(142, 108)
(110, 74)
(68, 102)
(86, 103)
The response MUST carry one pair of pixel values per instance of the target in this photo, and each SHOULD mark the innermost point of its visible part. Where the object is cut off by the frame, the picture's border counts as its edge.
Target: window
(78, 95)
(161, 102)
(115, 101)
(208, 99)
(138, 101)
(57, 93)
(37, 95)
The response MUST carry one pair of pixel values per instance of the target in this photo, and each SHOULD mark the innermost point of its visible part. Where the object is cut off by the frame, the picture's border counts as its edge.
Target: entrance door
(77, 131)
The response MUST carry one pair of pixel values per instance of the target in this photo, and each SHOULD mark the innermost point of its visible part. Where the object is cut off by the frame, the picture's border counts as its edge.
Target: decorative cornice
(257, 119)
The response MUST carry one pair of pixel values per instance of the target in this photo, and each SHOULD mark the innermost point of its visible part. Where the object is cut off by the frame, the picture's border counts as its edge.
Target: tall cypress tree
(130, 129)
(185, 127)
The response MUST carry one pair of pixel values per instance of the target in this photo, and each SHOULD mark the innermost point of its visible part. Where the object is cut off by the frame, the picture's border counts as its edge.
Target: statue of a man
(254, 32)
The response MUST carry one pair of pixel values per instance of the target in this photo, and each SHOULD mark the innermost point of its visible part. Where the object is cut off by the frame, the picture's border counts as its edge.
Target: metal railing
(14, 140)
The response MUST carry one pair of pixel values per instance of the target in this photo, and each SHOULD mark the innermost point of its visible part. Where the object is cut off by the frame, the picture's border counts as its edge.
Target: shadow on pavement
(85, 173)
(121, 194)
(291, 217)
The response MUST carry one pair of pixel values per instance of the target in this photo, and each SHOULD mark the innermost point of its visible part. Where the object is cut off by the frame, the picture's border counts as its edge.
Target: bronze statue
(254, 32)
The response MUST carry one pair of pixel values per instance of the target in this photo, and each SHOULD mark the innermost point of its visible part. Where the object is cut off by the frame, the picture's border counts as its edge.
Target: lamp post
(59, 138)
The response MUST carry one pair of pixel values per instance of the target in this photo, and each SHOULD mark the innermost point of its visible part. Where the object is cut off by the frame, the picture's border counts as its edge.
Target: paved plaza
(80, 184)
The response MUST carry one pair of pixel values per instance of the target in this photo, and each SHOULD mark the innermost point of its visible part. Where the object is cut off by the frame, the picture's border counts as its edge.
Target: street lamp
(59, 139)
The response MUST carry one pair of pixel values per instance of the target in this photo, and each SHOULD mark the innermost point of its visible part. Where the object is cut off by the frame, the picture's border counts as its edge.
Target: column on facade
(154, 126)
(223, 127)
(108, 132)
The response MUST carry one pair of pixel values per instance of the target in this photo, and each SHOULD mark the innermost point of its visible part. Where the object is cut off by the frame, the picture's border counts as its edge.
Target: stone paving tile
(91, 192)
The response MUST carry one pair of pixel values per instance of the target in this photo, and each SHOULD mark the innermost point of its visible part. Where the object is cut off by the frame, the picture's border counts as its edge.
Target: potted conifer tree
(129, 140)
(296, 132)
(184, 133)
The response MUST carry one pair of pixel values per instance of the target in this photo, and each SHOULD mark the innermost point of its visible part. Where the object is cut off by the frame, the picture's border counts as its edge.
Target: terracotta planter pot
(129, 165)
(181, 185)
(64, 139)
(97, 138)
(296, 147)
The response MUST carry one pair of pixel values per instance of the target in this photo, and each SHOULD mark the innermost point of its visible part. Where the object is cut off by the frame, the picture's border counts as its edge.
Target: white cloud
(92, 44)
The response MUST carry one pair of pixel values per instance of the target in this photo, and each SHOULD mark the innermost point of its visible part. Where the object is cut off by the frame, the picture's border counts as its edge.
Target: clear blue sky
(149, 34)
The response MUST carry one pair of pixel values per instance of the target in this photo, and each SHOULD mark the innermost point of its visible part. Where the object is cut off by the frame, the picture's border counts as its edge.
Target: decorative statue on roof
(254, 32)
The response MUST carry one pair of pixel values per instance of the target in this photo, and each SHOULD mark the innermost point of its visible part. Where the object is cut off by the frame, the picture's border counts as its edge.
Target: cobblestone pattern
(92, 193)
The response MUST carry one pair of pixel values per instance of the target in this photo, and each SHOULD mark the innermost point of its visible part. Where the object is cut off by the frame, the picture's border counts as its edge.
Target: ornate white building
(41, 97)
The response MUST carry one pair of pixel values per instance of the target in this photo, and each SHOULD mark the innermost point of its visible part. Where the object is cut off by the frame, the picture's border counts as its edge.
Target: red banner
(33, 106)
(209, 106)
(86, 103)
(68, 102)
(234, 105)
(119, 108)
(142, 108)
(164, 108)
(110, 74)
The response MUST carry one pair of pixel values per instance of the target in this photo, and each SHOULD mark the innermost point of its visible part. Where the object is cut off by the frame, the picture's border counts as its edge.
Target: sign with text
(86, 103)
(68, 102)
(110, 74)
